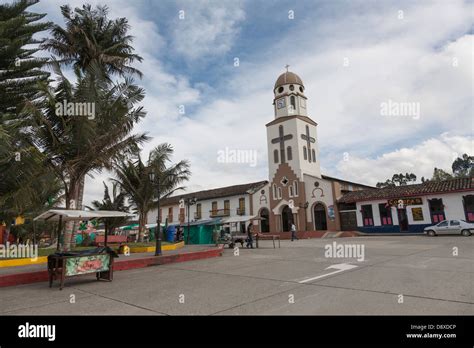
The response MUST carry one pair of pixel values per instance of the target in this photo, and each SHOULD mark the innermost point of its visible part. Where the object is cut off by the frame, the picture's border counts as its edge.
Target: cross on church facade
(309, 140)
(281, 139)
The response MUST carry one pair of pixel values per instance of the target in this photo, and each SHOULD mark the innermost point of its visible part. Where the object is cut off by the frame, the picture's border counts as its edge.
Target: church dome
(286, 78)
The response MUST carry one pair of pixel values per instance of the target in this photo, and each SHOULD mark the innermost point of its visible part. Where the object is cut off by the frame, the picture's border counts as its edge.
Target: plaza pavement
(268, 281)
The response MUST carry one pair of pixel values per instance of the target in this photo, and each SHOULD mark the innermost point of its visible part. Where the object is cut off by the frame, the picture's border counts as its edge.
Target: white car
(450, 227)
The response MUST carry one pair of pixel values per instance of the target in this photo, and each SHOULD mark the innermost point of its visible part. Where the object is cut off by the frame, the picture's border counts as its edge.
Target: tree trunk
(71, 203)
(78, 198)
(141, 226)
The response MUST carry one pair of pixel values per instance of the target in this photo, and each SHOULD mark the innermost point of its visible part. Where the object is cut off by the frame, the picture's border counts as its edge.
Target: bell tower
(292, 152)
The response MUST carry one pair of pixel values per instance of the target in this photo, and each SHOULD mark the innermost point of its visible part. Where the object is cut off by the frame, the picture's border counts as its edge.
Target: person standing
(249, 236)
(293, 231)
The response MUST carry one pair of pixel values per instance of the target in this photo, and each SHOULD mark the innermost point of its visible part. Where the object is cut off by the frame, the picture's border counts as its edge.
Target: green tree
(25, 184)
(75, 146)
(91, 38)
(397, 180)
(133, 178)
(440, 175)
(463, 166)
(116, 202)
(20, 69)
(90, 41)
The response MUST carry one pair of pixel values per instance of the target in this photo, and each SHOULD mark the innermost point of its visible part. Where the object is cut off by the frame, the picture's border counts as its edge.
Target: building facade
(411, 208)
(295, 191)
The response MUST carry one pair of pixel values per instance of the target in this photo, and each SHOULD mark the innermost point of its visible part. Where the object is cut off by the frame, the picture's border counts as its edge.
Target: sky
(209, 69)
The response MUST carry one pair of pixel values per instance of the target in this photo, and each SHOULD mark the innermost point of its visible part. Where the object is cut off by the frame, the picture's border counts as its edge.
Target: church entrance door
(320, 222)
(264, 223)
(286, 218)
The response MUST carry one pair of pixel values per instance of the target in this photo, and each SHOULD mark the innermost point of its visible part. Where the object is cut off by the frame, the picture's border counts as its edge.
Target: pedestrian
(293, 231)
(249, 236)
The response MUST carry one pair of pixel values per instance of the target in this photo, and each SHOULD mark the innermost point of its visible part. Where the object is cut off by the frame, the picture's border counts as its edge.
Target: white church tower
(293, 154)
(292, 136)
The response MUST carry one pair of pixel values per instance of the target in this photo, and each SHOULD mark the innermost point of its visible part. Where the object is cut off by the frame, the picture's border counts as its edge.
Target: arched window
(295, 188)
(275, 195)
(314, 155)
(293, 102)
(275, 156)
(279, 193)
(305, 153)
(290, 191)
(289, 154)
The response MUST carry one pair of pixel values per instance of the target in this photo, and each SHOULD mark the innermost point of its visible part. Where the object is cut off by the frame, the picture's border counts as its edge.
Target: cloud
(207, 28)
(420, 159)
(404, 60)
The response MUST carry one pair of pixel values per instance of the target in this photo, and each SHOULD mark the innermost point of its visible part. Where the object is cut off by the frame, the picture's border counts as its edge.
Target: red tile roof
(215, 193)
(430, 187)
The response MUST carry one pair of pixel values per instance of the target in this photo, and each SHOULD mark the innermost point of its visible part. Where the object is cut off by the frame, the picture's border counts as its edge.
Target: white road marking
(341, 267)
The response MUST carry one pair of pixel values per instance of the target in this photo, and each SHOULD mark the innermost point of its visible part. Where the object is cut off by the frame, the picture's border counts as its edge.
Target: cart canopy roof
(69, 214)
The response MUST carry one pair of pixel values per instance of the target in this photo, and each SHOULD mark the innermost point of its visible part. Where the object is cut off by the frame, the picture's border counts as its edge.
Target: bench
(264, 236)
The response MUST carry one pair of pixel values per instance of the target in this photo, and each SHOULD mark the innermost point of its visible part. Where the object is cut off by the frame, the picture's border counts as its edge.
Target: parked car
(450, 227)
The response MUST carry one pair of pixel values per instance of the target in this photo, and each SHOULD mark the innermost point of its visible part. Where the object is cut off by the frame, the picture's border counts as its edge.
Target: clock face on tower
(281, 103)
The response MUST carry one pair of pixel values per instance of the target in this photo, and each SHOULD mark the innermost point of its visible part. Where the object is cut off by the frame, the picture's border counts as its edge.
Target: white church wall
(260, 200)
(306, 167)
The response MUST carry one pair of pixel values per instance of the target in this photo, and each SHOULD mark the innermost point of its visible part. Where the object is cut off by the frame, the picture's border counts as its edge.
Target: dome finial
(287, 66)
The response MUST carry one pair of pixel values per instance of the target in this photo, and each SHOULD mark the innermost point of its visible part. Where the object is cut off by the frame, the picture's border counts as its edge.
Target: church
(295, 191)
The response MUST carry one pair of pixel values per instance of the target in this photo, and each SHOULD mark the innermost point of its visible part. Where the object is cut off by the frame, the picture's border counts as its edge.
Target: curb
(44, 259)
(23, 262)
(174, 246)
(42, 276)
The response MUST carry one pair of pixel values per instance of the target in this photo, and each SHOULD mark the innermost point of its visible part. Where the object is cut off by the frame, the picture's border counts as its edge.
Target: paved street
(419, 271)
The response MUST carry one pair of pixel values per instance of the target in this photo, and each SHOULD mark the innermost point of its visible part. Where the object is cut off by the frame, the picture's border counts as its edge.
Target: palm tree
(90, 37)
(74, 146)
(88, 40)
(133, 177)
(115, 202)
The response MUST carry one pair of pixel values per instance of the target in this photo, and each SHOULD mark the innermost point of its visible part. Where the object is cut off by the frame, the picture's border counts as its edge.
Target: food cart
(68, 264)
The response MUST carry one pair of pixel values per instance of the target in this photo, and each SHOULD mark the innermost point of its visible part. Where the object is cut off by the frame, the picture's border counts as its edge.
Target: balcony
(219, 212)
(197, 215)
(240, 211)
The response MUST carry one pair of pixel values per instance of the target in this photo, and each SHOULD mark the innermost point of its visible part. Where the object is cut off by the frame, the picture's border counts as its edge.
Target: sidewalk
(16, 275)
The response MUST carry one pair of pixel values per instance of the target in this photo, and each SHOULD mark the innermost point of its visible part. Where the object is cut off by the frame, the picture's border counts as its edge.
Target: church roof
(286, 78)
(430, 187)
(216, 193)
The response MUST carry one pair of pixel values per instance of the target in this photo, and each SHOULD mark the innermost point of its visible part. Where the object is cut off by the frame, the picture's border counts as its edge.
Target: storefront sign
(403, 202)
(417, 214)
(87, 264)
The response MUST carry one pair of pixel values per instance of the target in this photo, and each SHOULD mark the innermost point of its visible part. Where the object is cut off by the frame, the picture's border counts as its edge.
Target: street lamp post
(189, 202)
(158, 217)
